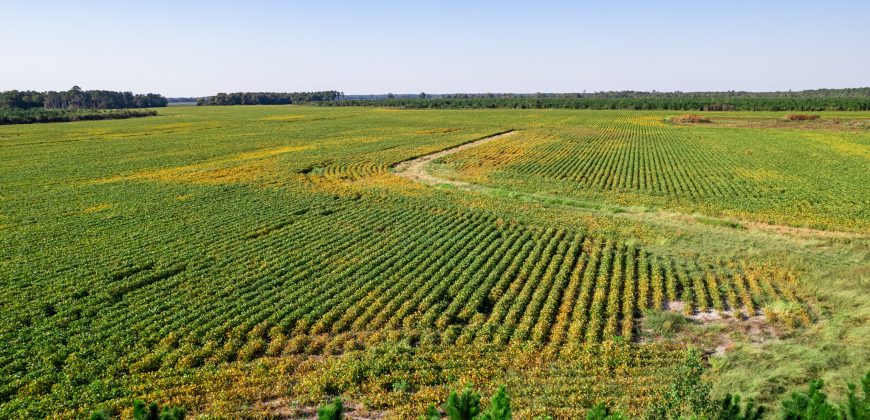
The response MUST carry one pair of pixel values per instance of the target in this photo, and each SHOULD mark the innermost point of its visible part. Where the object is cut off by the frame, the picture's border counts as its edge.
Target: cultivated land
(253, 260)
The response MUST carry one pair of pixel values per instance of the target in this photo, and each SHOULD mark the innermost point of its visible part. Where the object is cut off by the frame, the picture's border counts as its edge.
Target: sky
(196, 48)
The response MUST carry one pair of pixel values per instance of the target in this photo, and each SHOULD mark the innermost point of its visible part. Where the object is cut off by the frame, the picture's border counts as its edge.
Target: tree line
(269, 98)
(863, 92)
(687, 103)
(851, 99)
(76, 98)
(182, 99)
(41, 115)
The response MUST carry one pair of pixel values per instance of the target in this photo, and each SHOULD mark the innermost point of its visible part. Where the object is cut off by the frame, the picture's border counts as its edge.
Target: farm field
(753, 167)
(253, 260)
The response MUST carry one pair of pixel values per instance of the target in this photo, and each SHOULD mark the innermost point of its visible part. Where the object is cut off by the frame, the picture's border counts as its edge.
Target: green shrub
(332, 411)
(100, 415)
(499, 407)
(729, 409)
(688, 395)
(401, 386)
(664, 323)
(858, 408)
(432, 413)
(141, 411)
(814, 404)
(601, 412)
(464, 406)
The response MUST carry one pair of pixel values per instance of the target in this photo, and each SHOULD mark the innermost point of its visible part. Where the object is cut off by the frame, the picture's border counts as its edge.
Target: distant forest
(852, 99)
(652, 103)
(814, 93)
(181, 100)
(855, 99)
(269, 98)
(42, 115)
(76, 98)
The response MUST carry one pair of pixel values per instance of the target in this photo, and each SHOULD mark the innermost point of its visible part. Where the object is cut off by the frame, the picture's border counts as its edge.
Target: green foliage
(688, 398)
(432, 413)
(688, 395)
(39, 115)
(499, 407)
(401, 386)
(711, 101)
(664, 323)
(174, 413)
(269, 98)
(729, 409)
(76, 98)
(464, 406)
(715, 170)
(100, 415)
(188, 229)
(811, 405)
(857, 407)
(331, 411)
(143, 411)
(600, 411)
(814, 403)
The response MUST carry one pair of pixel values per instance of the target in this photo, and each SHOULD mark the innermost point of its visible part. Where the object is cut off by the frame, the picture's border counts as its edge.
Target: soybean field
(237, 260)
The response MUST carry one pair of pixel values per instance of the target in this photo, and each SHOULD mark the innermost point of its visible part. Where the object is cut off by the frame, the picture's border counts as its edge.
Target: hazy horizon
(445, 47)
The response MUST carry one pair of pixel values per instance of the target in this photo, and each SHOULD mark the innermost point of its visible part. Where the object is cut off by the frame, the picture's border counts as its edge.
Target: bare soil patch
(790, 121)
(691, 119)
(414, 169)
(802, 117)
(717, 332)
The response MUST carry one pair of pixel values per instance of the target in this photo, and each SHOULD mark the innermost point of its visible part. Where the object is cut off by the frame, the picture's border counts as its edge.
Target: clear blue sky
(190, 48)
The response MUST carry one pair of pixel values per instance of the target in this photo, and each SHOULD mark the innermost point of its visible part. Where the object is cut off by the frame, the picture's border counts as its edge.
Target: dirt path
(415, 169)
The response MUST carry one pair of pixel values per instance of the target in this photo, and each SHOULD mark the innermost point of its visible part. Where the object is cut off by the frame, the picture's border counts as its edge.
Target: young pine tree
(465, 406)
(141, 411)
(812, 405)
(499, 407)
(332, 411)
(855, 407)
(729, 409)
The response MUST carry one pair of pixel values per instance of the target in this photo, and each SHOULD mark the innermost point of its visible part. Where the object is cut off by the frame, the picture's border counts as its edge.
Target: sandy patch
(415, 169)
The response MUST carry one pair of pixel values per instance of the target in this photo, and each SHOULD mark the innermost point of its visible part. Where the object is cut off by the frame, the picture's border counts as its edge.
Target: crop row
(431, 275)
(623, 156)
(473, 281)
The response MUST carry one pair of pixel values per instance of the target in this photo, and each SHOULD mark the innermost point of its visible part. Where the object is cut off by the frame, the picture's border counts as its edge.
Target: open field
(253, 260)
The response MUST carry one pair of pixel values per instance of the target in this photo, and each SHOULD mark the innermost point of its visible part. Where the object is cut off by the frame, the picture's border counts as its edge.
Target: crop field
(740, 166)
(241, 260)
